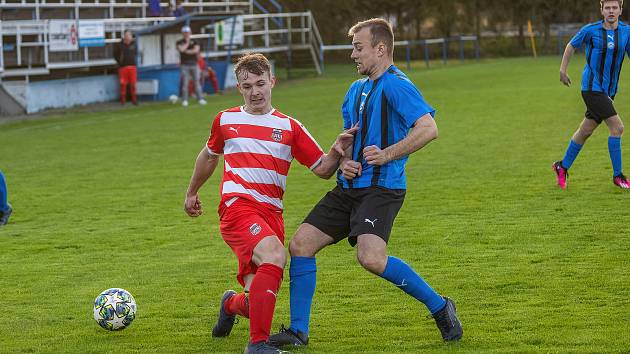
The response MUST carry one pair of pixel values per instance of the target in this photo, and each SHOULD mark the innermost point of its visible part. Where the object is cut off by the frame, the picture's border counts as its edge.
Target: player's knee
(277, 255)
(299, 246)
(617, 130)
(586, 132)
(270, 250)
(372, 262)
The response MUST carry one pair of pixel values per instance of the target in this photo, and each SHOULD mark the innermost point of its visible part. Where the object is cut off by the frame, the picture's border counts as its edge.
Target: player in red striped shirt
(258, 144)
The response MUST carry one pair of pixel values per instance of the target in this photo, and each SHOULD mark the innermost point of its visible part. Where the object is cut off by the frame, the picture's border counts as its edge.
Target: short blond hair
(381, 31)
(601, 3)
(254, 63)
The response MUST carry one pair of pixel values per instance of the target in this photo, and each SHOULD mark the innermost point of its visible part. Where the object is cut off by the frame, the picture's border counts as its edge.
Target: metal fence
(29, 52)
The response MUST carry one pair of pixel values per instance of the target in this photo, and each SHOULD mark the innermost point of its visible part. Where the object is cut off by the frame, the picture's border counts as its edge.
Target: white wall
(67, 93)
(150, 49)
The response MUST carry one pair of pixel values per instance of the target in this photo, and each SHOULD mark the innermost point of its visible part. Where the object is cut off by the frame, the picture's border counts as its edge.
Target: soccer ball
(173, 98)
(114, 309)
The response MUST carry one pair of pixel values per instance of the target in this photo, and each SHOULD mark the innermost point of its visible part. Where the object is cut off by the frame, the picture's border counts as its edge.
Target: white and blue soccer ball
(114, 309)
(173, 98)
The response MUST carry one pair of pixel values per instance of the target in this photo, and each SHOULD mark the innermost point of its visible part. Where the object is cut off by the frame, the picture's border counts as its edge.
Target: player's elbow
(321, 173)
(433, 132)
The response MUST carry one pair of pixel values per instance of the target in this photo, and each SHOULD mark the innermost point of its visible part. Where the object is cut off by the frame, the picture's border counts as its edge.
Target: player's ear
(382, 49)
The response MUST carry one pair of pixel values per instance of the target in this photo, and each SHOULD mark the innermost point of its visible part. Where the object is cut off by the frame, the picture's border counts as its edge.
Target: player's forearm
(328, 165)
(204, 167)
(424, 131)
(566, 58)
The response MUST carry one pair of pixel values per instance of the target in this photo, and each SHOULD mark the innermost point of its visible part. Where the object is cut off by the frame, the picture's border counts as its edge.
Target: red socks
(262, 301)
(238, 305)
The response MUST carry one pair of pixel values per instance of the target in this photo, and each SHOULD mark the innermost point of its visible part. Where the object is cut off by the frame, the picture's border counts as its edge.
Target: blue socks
(572, 152)
(614, 148)
(400, 274)
(3, 194)
(302, 274)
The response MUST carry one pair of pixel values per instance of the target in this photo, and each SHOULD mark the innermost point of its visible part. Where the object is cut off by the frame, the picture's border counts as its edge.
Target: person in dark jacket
(125, 54)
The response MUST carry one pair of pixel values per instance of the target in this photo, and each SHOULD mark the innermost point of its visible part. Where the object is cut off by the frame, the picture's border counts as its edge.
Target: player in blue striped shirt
(606, 43)
(394, 121)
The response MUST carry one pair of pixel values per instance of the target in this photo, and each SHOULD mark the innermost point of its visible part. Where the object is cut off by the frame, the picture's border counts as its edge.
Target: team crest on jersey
(255, 229)
(276, 135)
(611, 45)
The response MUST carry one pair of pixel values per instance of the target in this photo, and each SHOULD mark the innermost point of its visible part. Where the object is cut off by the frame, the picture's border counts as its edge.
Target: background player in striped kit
(258, 144)
(607, 42)
(394, 121)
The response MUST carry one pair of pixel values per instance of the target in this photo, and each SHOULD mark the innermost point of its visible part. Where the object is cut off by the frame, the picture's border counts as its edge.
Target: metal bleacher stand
(25, 42)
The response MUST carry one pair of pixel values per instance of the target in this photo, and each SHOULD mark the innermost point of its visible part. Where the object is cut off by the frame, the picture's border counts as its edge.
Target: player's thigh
(372, 252)
(308, 240)
(330, 216)
(376, 212)
(598, 106)
(270, 250)
(243, 228)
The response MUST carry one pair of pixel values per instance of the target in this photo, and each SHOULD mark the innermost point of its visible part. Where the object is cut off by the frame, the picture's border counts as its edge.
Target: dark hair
(254, 63)
(381, 31)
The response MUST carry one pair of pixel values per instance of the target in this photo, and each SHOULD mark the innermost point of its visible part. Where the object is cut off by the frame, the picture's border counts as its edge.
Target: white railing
(34, 34)
(262, 33)
(112, 5)
(274, 32)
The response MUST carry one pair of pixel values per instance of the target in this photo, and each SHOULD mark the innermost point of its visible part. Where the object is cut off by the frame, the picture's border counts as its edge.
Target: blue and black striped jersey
(386, 109)
(605, 51)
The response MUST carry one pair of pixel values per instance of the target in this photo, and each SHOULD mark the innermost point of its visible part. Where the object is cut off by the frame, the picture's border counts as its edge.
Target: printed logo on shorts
(255, 229)
(276, 134)
(371, 221)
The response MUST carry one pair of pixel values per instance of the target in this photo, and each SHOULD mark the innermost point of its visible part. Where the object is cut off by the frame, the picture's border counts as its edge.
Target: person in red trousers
(125, 54)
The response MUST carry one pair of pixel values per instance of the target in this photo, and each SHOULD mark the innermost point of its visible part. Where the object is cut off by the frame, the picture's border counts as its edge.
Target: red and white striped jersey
(258, 150)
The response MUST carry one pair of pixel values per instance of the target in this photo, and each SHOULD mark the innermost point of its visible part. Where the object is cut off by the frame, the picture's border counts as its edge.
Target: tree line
(418, 19)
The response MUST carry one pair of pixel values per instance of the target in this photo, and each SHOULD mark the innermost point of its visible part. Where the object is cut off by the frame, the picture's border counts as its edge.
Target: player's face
(256, 91)
(611, 11)
(364, 55)
(128, 37)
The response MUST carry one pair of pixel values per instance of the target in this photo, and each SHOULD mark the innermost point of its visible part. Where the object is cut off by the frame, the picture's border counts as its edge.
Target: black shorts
(345, 212)
(598, 106)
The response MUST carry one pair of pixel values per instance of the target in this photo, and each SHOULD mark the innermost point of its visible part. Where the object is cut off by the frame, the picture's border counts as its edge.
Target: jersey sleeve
(579, 38)
(405, 98)
(346, 108)
(216, 142)
(304, 147)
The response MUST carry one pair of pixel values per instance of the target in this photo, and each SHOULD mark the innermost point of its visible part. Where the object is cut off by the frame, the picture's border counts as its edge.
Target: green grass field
(98, 196)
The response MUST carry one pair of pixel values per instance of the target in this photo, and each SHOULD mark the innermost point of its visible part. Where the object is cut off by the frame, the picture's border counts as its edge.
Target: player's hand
(564, 78)
(192, 206)
(350, 169)
(373, 155)
(345, 140)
